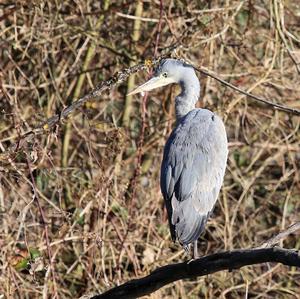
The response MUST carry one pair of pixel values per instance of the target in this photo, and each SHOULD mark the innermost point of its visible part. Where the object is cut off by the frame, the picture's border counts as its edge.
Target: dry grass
(97, 180)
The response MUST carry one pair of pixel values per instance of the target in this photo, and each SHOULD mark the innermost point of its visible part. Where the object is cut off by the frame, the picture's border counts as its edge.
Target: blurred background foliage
(97, 173)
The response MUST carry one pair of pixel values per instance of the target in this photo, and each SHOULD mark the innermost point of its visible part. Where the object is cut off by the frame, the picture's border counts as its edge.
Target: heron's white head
(169, 71)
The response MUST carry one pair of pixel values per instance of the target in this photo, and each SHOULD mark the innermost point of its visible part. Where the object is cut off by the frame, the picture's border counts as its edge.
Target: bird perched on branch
(195, 155)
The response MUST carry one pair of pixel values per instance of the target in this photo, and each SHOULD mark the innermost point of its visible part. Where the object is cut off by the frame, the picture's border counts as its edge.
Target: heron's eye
(165, 74)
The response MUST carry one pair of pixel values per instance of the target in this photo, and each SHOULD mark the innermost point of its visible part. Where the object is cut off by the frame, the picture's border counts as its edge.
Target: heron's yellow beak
(153, 83)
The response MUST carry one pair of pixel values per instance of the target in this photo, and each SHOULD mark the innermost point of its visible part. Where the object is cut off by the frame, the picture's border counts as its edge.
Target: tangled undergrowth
(87, 191)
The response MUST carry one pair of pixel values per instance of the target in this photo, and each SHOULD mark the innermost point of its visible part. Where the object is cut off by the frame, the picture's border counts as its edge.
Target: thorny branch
(121, 77)
(209, 264)
(96, 92)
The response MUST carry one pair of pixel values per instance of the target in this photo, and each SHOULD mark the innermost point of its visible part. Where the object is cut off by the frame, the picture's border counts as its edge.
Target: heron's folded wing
(192, 171)
(186, 158)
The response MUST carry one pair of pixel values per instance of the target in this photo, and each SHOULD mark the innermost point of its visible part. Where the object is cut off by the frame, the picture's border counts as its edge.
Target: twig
(144, 111)
(131, 190)
(68, 128)
(131, 81)
(254, 97)
(137, 18)
(279, 27)
(282, 235)
(228, 260)
(44, 223)
(161, 8)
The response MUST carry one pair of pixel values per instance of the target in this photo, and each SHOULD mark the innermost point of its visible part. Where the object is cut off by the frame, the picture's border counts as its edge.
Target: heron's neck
(187, 99)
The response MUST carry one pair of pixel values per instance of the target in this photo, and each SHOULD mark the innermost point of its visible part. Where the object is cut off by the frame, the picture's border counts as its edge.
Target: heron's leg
(195, 250)
(186, 248)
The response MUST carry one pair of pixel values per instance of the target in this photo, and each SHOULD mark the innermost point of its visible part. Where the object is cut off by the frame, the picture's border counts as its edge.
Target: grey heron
(194, 158)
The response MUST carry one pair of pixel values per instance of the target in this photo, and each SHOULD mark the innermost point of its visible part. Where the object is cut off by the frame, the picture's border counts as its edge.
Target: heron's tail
(193, 231)
(189, 223)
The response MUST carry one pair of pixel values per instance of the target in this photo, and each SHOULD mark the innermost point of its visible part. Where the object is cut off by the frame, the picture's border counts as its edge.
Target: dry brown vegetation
(87, 192)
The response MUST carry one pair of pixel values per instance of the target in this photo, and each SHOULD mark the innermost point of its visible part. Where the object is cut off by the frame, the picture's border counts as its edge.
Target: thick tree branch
(228, 260)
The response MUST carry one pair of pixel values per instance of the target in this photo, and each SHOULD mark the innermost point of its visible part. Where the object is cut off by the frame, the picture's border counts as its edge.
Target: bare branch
(282, 235)
(228, 260)
(96, 92)
(254, 97)
(121, 77)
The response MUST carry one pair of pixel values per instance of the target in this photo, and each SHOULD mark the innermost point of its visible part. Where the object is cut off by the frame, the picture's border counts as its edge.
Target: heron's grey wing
(192, 172)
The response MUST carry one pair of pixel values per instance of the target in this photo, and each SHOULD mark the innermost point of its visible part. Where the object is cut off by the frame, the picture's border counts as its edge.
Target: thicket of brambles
(86, 191)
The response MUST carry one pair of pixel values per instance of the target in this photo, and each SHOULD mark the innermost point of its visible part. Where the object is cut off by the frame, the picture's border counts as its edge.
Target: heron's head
(168, 71)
